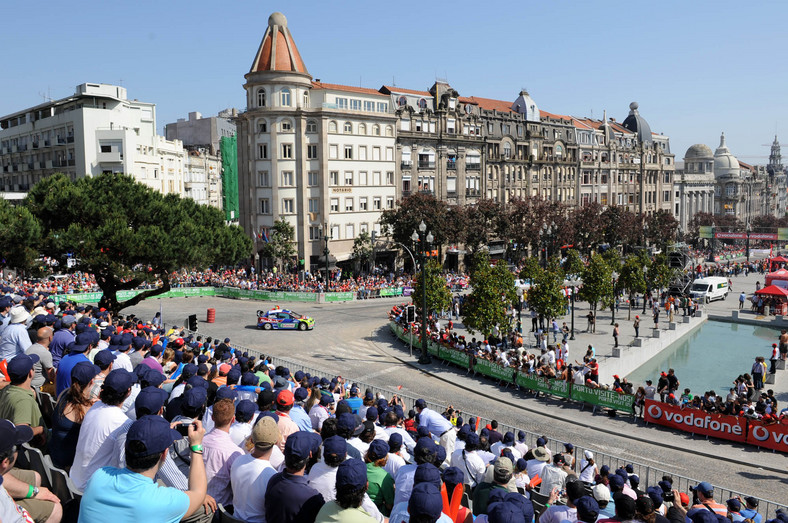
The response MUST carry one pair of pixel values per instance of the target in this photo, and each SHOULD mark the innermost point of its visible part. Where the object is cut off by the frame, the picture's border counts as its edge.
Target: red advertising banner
(696, 421)
(773, 437)
(743, 235)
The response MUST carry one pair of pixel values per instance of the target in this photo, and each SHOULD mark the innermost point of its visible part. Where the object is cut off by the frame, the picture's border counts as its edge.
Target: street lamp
(572, 301)
(749, 230)
(422, 240)
(547, 230)
(711, 256)
(519, 310)
(645, 281)
(326, 237)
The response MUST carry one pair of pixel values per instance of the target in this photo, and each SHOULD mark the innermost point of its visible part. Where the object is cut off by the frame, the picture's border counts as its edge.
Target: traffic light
(192, 322)
(411, 313)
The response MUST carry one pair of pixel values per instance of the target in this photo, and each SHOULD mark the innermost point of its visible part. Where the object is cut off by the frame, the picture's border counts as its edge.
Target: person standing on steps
(636, 324)
(615, 335)
(656, 317)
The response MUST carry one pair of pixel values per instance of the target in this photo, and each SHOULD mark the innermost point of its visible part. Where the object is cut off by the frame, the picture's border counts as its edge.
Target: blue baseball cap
(372, 414)
(425, 500)
(198, 382)
(20, 366)
(153, 378)
(299, 375)
(11, 434)
(225, 393)
(523, 505)
(189, 370)
(587, 509)
(703, 487)
(299, 445)
(300, 394)
(335, 446)
(353, 473)
(150, 400)
(453, 475)
(420, 403)
(427, 473)
(616, 481)
(508, 438)
(378, 449)
(245, 409)
(154, 434)
(395, 442)
(119, 380)
(104, 357)
(249, 378)
(83, 372)
(233, 376)
(195, 397)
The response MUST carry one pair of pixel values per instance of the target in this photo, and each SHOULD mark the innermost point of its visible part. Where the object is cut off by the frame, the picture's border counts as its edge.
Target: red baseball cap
(285, 398)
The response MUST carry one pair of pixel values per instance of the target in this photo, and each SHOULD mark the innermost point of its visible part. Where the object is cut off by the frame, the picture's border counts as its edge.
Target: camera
(668, 497)
(183, 428)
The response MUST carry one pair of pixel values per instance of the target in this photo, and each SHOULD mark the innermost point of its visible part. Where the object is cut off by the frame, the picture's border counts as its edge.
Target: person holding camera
(119, 492)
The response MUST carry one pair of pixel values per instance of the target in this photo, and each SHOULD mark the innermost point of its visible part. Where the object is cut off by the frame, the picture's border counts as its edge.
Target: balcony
(406, 164)
(110, 157)
(426, 165)
(473, 166)
(472, 193)
(35, 145)
(70, 139)
(451, 165)
(60, 141)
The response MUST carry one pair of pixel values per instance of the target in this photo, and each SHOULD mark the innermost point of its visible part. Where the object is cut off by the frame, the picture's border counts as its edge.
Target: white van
(708, 289)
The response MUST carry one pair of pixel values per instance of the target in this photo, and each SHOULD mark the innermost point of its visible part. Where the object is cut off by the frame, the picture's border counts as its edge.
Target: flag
(264, 236)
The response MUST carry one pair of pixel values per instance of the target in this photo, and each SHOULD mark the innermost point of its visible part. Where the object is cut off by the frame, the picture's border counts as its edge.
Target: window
(376, 130)
(106, 148)
(507, 150)
(402, 101)
(363, 178)
(261, 98)
(667, 177)
(287, 151)
(348, 128)
(389, 202)
(286, 125)
(389, 154)
(287, 206)
(334, 204)
(389, 130)
(287, 178)
(312, 178)
(362, 129)
(404, 125)
(348, 204)
(348, 177)
(422, 104)
(362, 204)
(350, 231)
(262, 126)
(348, 152)
(265, 179)
(333, 152)
(311, 151)
(306, 99)
(332, 126)
(355, 105)
(383, 107)
(376, 178)
(341, 103)
(315, 232)
(333, 178)
(285, 97)
(376, 154)
(369, 107)
(265, 206)
(311, 126)
(376, 203)
(363, 227)
(666, 196)
(262, 151)
(390, 178)
(362, 152)
(314, 205)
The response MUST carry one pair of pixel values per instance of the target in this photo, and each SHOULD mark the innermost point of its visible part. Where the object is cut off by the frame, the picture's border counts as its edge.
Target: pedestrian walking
(636, 324)
(656, 317)
(742, 297)
(615, 335)
(590, 317)
(775, 357)
(757, 371)
(556, 330)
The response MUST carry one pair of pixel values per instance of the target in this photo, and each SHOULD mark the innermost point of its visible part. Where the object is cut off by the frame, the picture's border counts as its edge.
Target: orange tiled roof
(542, 112)
(394, 89)
(489, 104)
(348, 88)
(467, 100)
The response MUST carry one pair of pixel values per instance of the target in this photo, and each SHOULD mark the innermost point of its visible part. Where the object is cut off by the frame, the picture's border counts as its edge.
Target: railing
(426, 165)
(473, 166)
(649, 475)
(451, 165)
(406, 164)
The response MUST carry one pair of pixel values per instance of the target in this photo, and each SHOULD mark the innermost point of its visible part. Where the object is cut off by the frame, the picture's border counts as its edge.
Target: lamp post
(422, 239)
(711, 256)
(326, 237)
(645, 281)
(572, 302)
(519, 310)
(547, 230)
(749, 229)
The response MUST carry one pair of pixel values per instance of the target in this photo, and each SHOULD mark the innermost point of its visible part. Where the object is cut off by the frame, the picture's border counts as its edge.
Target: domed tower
(696, 185)
(699, 160)
(775, 159)
(638, 125)
(725, 164)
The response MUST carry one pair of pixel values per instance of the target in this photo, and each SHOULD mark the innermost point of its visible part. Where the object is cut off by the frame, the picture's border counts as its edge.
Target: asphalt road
(353, 340)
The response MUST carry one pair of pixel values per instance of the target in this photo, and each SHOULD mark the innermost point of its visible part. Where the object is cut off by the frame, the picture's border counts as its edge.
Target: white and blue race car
(283, 319)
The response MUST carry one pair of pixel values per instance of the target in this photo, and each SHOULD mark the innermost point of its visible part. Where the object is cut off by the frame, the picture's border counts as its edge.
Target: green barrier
(493, 370)
(554, 387)
(391, 291)
(454, 356)
(233, 292)
(340, 296)
(603, 398)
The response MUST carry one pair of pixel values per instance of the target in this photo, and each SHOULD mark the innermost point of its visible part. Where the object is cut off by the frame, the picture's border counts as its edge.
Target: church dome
(637, 124)
(277, 51)
(698, 150)
(725, 164)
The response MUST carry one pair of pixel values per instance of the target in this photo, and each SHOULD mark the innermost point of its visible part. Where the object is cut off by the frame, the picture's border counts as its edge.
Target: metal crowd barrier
(648, 474)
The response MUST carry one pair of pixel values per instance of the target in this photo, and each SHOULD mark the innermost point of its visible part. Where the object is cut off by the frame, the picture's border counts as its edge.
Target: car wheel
(708, 300)
(267, 326)
(302, 326)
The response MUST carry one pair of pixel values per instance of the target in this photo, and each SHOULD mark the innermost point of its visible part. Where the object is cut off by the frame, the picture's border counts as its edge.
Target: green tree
(126, 234)
(597, 283)
(632, 279)
(573, 265)
(362, 249)
(401, 221)
(547, 296)
(659, 274)
(492, 293)
(280, 243)
(20, 235)
(438, 294)
(530, 269)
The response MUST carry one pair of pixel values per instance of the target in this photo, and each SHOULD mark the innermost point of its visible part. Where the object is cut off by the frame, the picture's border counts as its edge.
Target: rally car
(283, 319)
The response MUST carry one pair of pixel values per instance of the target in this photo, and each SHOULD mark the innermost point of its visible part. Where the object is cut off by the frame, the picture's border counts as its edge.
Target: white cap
(588, 454)
(601, 492)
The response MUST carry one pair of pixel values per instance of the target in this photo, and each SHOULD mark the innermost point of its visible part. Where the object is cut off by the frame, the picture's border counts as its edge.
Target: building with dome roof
(738, 190)
(694, 184)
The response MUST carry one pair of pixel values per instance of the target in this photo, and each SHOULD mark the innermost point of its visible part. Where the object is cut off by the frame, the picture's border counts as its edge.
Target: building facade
(198, 132)
(202, 179)
(695, 185)
(738, 191)
(96, 130)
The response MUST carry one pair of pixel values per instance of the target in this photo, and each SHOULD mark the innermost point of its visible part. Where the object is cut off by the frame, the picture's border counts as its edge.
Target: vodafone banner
(770, 436)
(694, 420)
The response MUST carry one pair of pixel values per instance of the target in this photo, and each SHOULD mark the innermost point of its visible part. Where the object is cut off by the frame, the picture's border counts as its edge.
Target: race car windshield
(296, 316)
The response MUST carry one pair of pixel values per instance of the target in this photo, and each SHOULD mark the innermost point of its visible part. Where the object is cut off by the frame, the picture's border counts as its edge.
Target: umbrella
(773, 290)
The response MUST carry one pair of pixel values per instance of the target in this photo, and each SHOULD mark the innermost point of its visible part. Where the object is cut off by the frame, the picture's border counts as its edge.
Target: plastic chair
(35, 460)
(62, 486)
(47, 405)
(226, 517)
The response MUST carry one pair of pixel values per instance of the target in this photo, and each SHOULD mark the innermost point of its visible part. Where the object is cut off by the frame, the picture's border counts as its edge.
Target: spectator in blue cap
(587, 509)
(101, 420)
(17, 400)
(425, 452)
(297, 413)
(425, 504)
(77, 350)
(288, 497)
(69, 413)
(351, 489)
(558, 513)
(705, 494)
(241, 429)
(105, 360)
(322, 476)
(469, 462)
(131, 494)
(381, 484)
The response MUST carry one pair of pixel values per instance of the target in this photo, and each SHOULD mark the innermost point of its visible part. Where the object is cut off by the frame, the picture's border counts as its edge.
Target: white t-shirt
(249, 479)
(122, 361)
(587, 474)
(95, 447)
(558, 514)
(10, 512)
(240, 431)
(534, 468)
(552, 476)
(471, 465)
(393, 464)
(323, 479)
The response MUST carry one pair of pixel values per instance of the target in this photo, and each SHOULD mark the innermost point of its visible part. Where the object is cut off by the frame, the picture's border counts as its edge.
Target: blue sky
(696, 68)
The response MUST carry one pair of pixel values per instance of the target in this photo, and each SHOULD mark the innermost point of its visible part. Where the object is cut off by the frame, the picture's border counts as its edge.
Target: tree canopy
(280, 243)
(597, 282)
(438, 294)
(126, 233)
(20, 235)
(492, 293)
(547, 295)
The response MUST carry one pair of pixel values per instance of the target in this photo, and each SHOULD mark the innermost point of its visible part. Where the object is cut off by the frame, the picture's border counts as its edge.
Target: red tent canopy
(778, 259)
(780, 274)
(773, 290)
